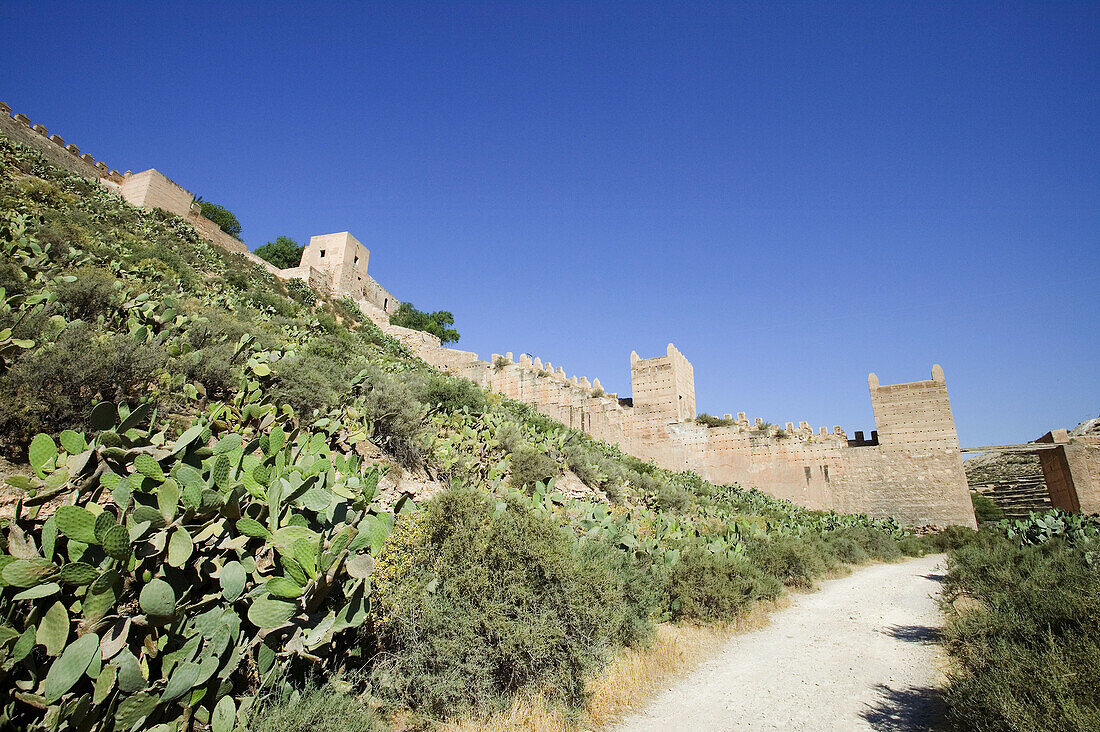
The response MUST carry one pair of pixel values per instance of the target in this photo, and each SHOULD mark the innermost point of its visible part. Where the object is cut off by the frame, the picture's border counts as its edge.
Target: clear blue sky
(794, 193)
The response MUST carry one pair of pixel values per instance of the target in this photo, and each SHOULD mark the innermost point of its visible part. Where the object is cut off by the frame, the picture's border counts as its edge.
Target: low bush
(529, 466)
(311, 384)
(1024, 642)
(953, 537)
(712, 421)
(53, 387)
(451, 394)
(985, 510)
(93, 293)
(914, 546)
(328, 707)
(475, 602)
(713, 587)
(793, 560)
(214, 368)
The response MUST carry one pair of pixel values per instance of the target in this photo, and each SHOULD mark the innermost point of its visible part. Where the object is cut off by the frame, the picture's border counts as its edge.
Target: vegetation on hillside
(437, 323)
(1023, 606)
(221, 216)
(284, 252)
(201, 543)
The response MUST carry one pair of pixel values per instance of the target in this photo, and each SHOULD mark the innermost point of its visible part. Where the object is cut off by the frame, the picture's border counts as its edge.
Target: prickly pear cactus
(180, 576)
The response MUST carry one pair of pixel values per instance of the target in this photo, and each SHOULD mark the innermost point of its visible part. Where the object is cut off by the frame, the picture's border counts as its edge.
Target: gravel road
(859, 654)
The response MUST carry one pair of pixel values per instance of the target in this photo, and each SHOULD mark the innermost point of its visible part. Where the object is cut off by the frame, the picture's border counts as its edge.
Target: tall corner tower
(663, 389)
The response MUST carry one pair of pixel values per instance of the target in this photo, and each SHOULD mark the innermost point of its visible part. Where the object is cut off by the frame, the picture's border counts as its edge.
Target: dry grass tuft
(626, 683)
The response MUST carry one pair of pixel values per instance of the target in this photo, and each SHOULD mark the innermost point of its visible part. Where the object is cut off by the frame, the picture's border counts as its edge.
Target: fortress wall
(53, 147)
(153, 189)
(918, 487)
(914, 474)
(1072, 471)
(378, 296)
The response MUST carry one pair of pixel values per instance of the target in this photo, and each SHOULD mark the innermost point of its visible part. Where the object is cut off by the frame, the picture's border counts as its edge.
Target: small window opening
(356, 260)
(807, 468)
(322, 254)
(386, 305)
(825, 472)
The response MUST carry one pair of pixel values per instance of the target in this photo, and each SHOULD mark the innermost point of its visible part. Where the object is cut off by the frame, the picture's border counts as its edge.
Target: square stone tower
(914, 414)
(342, 257)
(663, 390)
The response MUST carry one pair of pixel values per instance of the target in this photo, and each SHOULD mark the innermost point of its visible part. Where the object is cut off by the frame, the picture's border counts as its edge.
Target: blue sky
(796, 194)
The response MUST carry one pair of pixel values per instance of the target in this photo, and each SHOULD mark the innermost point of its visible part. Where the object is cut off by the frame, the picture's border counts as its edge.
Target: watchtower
(663, 389)
(342, 257)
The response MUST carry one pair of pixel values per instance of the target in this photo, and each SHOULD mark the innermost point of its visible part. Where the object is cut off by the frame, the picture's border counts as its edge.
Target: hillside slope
(213, 506)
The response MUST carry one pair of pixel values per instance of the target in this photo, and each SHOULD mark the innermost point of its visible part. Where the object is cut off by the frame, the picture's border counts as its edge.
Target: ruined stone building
(910, 468)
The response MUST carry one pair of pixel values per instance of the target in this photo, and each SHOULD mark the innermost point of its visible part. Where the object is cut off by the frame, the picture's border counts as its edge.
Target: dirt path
(859, 654)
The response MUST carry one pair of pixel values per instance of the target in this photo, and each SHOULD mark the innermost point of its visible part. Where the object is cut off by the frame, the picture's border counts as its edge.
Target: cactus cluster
(177, 577)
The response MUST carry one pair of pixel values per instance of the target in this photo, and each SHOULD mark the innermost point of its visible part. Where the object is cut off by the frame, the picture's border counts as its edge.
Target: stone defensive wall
(910, 469)
(914, 474)
(148, 189)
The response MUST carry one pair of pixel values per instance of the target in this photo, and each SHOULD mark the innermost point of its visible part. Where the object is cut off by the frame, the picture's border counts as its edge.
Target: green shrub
(914, 546)
(302, 292)
(330, 707)
(793, 560)
(1025, 643)
(474, 604)
(264, 299)
(396, 415)
(437, 323)
(847, 550)
(214, 368)
(93, 293)
(310, 384)
(284, 252)
(54, 387)
(221, 216)
(953, 537)
(709, 587)
(712, 421)
(877, 543)
(529, 466)
(985, 510)
(451, 394)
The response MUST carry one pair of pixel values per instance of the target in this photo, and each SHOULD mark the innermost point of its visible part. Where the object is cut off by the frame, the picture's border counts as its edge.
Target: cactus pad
(266, 612)
(76, 523)
(73, 662)
(149, 467)
(29, 572)
(157, 598)
(233, 579)
(78, 573)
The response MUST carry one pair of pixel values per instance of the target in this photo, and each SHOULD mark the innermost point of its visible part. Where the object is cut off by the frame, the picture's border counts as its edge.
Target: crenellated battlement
(68, 156)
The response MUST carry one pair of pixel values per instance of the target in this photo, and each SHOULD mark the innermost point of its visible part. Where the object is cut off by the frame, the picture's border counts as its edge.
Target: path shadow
(935, 577)
(923, 634)
(918, 709)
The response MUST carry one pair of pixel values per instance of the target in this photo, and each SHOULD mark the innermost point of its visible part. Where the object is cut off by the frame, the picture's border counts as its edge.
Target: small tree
(221, 216)
(284, 252)
(435, 323)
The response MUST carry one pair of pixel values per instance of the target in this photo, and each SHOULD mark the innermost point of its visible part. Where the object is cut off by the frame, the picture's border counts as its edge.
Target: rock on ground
(859, 654)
